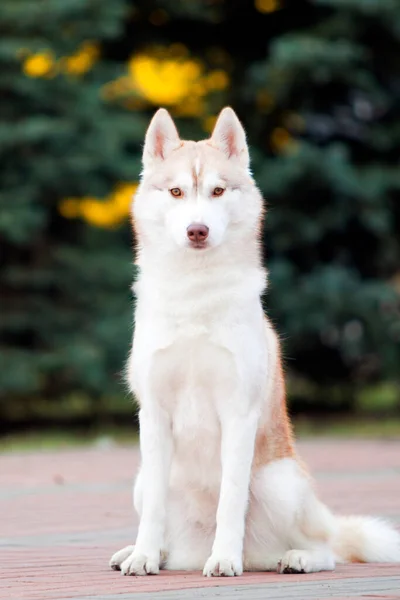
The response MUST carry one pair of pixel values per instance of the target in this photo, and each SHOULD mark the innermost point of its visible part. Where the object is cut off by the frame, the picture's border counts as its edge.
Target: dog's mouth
(198, 245)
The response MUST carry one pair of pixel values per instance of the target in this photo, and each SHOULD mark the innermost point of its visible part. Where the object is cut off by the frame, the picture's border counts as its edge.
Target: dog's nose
(197, 232)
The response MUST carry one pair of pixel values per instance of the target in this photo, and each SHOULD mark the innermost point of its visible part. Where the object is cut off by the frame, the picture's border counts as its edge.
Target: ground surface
(63, 513)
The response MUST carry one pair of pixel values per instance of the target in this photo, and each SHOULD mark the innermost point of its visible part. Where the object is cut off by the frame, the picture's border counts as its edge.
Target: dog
(220, 487)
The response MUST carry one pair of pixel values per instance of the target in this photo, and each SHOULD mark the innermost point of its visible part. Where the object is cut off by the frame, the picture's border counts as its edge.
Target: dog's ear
(161, 138)
(229, 136)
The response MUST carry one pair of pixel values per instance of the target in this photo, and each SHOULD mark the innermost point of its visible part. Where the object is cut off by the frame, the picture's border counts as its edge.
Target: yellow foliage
(267, 6)
(44, 64)
(39, 65)
(106, 213)
(191, 107)
(217, 80)
(134, 104)
(282, 141)
(97, 212)
(162, 81)
(83, 60)
(119, 87)
(121, 198)
(69, 208)
(167, 77)
(208, 123)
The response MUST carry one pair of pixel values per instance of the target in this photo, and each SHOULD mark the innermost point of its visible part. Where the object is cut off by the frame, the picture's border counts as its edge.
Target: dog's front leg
(237, 449)
(156, 450)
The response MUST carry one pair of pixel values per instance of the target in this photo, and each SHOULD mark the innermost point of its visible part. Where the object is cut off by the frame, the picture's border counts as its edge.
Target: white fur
(367, 538)
(202, 363)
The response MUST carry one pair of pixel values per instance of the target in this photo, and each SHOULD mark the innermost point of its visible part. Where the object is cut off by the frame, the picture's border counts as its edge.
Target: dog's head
(196, 196)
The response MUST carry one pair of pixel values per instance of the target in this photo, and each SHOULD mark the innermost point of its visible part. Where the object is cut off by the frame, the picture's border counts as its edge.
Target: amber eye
(176, 192)
(218, 191)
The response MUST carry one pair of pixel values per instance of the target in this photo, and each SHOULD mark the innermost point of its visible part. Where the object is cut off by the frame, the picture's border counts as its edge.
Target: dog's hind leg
(288, 528)
(311, 538)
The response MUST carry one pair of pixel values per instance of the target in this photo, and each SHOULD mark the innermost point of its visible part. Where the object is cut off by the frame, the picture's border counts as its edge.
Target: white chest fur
(190, 358)
(193, 377)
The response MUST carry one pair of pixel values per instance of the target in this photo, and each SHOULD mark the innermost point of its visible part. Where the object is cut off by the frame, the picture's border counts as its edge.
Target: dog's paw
(140, 564)
(295, 561)
(306, 561)
(222, 567)
(118, 558)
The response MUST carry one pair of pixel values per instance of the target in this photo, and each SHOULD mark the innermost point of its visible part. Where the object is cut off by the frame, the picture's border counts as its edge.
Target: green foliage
(332, 234)
(318, 91)
(65, 285)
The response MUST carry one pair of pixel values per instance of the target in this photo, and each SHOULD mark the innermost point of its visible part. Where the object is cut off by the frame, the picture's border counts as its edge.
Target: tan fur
(274, 438)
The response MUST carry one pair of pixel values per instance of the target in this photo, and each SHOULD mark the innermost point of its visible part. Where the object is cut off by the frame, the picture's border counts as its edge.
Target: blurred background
(317, 86)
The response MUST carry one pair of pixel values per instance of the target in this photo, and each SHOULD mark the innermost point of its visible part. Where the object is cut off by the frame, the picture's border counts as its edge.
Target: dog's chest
(193, 380)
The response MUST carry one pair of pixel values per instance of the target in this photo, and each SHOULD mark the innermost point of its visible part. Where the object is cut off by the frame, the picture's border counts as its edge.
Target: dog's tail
(366, 539)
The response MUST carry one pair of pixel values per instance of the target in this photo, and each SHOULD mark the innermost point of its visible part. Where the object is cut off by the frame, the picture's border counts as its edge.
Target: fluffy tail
(365, 539)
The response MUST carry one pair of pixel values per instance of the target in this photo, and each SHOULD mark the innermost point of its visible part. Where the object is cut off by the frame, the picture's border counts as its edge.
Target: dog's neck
(242, 257)
(232, 274)
(192, 271)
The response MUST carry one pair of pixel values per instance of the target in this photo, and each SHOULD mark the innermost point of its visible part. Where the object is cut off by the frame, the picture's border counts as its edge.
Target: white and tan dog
(220, 487)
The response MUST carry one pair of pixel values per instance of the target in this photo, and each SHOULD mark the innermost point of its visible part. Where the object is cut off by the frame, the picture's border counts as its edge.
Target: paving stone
(62, 515)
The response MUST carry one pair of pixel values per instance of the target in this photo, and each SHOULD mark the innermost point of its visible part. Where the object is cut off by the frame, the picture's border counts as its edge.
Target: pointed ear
(161, 138)
(229, 136)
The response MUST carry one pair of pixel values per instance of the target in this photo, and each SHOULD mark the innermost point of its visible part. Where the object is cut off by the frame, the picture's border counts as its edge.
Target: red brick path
(63, 514)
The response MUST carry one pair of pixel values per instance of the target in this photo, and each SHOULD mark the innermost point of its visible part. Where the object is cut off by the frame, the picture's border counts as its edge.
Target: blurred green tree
(325, 110)
(318, 90)
(65, 300)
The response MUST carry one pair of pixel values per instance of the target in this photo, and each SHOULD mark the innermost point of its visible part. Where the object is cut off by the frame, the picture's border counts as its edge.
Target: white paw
(118, 558)
(140, 564)
(222, 567)
(295, 561)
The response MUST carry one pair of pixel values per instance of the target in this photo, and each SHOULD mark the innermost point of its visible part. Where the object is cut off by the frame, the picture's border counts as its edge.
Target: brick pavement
(62, 515)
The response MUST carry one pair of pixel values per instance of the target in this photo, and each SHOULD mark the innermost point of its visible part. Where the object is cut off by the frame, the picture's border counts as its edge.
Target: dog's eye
(176, 192)
(218, 191)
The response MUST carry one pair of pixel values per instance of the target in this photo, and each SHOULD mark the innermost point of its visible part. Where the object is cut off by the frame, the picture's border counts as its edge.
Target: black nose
(197, 232)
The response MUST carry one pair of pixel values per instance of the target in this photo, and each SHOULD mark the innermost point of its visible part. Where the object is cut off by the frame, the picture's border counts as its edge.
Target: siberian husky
(220, 486)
